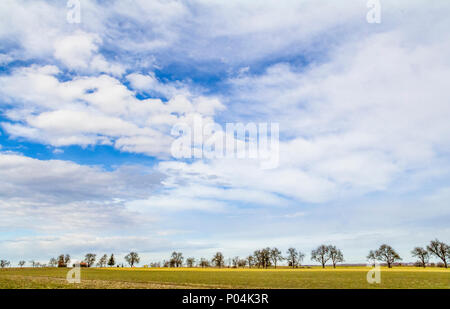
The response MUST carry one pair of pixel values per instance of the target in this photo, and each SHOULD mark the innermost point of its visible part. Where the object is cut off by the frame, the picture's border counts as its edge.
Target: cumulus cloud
(80, 51)
(94, 110)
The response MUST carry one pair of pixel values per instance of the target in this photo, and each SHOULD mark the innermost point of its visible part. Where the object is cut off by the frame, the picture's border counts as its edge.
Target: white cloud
(79, 51)
(376, 110)
(94, 110)
(62, 195)
(245, 174)
(150, 83)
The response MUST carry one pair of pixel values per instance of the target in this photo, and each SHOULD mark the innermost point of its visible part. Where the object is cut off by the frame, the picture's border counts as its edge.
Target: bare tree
(67, 259)
(300, 258)
(440, 250)
(218, 259)
(132, 258)
(321, 255)
(242, 262)
(257, 256)
(267, 261)
(372, 257)
(90, 259)
(292, 257)
(336, 255)
(235, 262)
(422, 255)
(4, 263)
(177, 259)
(190, 262)
(275, 256)
(33, 263)
(155, 264)
(103, 261)
(53, 262)
(387, 254)
(262, 257)
(204, 263)
(250, 261)
(172, 263)
(21, 263)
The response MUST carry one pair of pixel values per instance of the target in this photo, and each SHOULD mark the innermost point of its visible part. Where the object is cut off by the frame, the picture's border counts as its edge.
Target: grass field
(343, 277)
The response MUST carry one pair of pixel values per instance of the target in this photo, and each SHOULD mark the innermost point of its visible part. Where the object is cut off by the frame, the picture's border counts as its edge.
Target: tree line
(261, 258)
(89, 260)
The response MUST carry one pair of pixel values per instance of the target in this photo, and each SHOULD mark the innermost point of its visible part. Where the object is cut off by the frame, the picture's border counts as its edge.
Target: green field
(342, 277)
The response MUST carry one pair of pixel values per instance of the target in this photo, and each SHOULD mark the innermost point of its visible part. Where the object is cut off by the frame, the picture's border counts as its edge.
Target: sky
(87, 111)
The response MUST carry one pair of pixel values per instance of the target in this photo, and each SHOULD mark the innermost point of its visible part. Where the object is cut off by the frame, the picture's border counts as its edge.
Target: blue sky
(86, 112)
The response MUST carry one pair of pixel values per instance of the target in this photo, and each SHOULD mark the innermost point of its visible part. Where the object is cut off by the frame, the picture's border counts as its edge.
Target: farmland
(154, 278)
